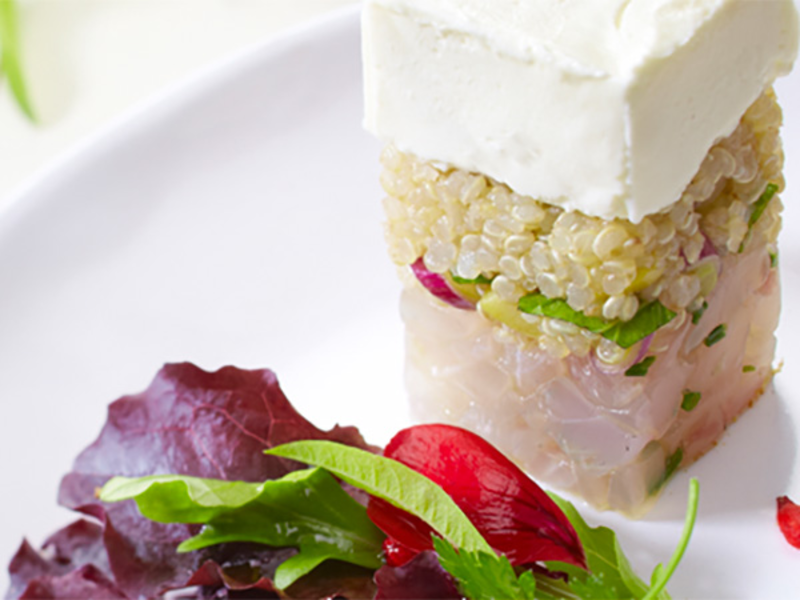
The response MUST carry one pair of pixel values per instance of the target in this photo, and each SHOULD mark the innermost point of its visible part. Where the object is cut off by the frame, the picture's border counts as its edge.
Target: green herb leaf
(307, 509)
(690, 400)
(484, 575)
(773, 259)
(558, 308)
(748, 368)
(479, 280)
(698, 314)
(640, 369)
(9, 57)
(649, 319)
(391, 481)
(625, 334)
(717, 335)
(759, 207)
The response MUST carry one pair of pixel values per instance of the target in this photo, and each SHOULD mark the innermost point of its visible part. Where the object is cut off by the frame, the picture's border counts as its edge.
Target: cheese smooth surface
(603, 106)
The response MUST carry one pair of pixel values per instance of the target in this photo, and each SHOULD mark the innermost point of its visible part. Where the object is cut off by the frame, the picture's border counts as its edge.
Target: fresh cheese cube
(607, 107)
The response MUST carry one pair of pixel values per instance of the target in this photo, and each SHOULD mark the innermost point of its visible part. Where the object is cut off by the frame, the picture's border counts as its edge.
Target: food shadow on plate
(750, 466)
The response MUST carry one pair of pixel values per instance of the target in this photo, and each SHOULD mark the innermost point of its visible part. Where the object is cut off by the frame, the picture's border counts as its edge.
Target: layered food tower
(584, 198)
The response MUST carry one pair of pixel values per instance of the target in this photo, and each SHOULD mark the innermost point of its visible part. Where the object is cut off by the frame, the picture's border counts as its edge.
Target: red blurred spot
(789, 520)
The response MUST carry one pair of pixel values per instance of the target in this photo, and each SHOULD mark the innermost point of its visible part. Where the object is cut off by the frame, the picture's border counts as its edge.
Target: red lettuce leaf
(422, 578)
(86, 582)
(515, 515)
(333, 579)
(73, 546)
(188, 422)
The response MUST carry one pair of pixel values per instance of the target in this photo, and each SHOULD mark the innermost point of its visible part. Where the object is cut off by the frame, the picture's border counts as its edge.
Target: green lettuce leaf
(393, 482)
(484, 575)
(625, 334)
(305, 509)
(10, 64)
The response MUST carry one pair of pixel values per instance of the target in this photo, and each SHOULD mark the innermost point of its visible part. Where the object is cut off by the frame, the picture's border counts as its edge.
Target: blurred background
(86, 62)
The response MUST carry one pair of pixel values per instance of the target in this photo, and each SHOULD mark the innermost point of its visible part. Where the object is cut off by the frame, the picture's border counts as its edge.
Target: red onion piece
(708, 248)
(643, 348)
(437, 285)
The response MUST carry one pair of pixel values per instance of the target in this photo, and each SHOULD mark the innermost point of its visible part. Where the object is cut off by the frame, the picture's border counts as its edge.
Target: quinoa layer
(470, 227)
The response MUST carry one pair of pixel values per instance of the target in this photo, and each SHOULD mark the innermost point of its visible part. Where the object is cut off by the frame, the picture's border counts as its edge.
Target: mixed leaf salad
(211, 485)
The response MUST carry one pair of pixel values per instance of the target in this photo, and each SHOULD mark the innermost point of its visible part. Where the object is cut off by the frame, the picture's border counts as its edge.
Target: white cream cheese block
(607, 107)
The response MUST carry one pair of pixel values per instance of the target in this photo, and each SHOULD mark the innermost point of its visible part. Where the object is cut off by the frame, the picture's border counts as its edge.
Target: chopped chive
(479, 280)
(759, 207)
(748, 368)
(690, 400)
(671, 465)
(673, 462)
(698, 314)
(716, 335)
(640, 369)
(773, 259)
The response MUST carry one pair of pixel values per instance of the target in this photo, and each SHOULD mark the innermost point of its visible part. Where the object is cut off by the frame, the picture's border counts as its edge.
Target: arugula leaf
(625, 334)
(610, 574)
(393, 482)
(9, 57)
(640, 369)
(307, 509)
(759, 207)
(484, 575)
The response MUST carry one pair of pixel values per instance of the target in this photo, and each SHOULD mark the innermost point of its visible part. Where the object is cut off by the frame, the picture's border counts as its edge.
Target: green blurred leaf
(10, 65)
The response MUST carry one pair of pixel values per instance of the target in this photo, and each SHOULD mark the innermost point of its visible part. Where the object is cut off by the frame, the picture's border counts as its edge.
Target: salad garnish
(464, 519)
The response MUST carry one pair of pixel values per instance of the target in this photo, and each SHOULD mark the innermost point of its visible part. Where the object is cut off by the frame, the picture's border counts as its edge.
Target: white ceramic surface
(236, 220)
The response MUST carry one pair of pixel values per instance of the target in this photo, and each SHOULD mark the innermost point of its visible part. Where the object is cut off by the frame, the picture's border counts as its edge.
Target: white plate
(236, 220)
